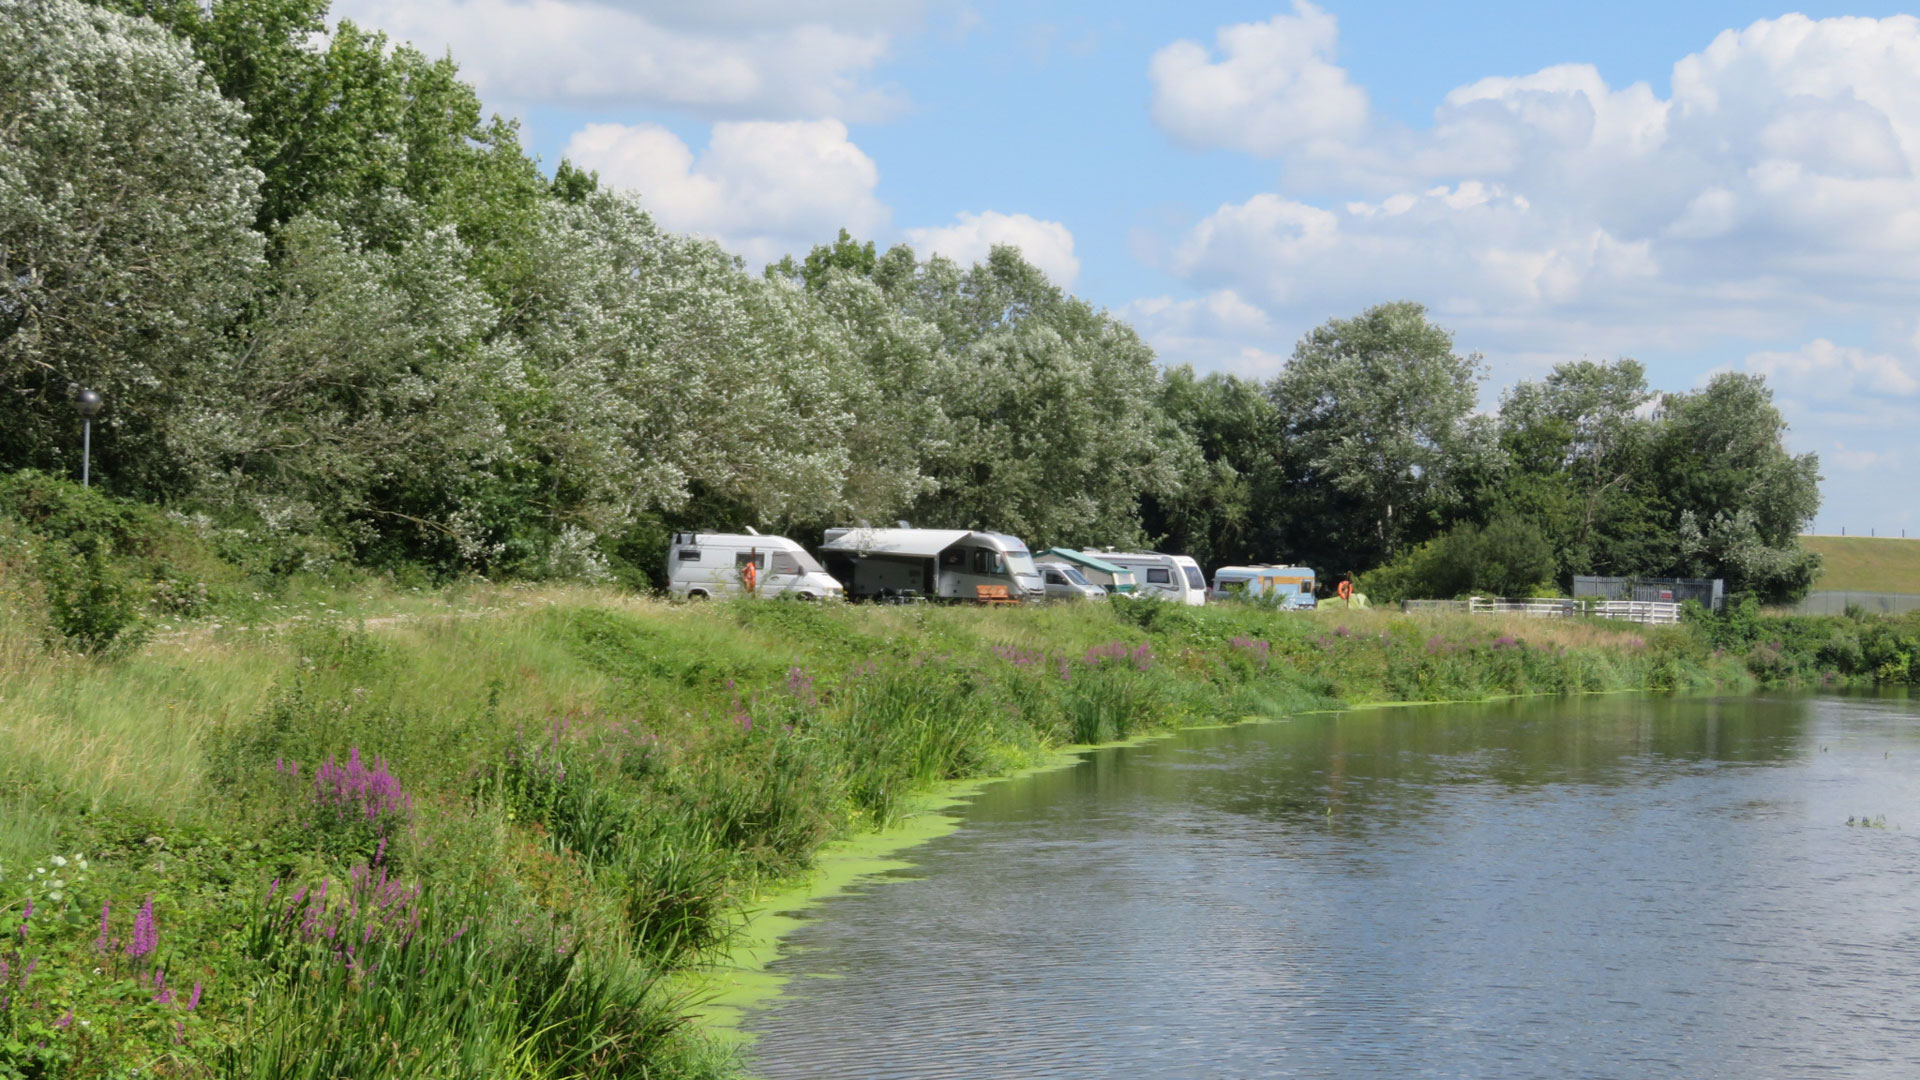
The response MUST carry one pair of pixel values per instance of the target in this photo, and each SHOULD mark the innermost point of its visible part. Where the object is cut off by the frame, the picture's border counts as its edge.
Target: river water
(1596, 887)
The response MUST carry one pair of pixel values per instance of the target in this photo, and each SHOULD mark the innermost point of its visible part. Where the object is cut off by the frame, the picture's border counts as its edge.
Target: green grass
(1866, 564)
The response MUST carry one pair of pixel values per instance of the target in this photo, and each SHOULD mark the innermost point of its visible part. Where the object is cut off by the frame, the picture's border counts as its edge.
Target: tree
(1377, 437)
(1229, 434)
(1737, 498)
(1578, 444)
(125, 233)
(1053, 430)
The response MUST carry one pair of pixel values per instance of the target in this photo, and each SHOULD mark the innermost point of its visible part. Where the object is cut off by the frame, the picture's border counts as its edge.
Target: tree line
(337, 309)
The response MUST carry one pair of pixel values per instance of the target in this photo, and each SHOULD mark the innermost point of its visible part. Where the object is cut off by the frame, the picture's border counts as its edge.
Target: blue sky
(1705, 186)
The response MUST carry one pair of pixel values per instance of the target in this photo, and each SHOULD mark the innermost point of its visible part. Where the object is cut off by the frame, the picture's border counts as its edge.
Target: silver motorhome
(940, 564)
(706, 565)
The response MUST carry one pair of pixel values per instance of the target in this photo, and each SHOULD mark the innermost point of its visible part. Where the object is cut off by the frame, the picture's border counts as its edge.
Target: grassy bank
(477, 837)
(1866, 563)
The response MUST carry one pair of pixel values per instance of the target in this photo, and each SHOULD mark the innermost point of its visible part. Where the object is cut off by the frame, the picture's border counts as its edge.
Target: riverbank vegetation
(483, 829)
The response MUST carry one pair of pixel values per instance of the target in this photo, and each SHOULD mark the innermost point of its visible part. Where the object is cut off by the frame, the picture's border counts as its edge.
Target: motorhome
(1167, 577)
(1109, 576)
(937, 564)
(701, 566)
(1065, 582)
(1282, 586)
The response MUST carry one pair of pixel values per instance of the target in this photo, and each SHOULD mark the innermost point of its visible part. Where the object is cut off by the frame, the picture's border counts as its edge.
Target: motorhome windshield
(1021, 564)
(795, 562)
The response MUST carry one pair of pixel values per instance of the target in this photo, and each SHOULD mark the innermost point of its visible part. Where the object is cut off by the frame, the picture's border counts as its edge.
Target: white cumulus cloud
(752, 58)
(1274, 86)
(1046, 244)
(761, 188)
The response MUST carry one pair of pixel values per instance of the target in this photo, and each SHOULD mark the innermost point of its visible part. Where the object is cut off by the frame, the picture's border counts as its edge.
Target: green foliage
(1509, 556)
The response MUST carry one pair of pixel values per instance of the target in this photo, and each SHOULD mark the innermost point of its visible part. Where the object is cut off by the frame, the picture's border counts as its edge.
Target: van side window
(785, 563)
(1055, 577)
(689, 554)
(757, 558)
(1159, 575)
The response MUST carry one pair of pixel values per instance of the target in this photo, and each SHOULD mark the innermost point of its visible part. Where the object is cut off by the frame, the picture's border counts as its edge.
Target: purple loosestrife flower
(193, 1000)
(25, 916)
(65, 1022)
(105, 940)
(800, 686)
(146, 933)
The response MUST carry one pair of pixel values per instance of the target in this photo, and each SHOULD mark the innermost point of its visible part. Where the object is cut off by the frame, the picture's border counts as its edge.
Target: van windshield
(806, 563)
(1074, 576)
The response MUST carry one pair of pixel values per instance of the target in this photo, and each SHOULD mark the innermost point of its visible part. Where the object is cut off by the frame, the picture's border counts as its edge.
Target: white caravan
(939, 564)
(1167, 577)
(1282, 586)
(705, 565)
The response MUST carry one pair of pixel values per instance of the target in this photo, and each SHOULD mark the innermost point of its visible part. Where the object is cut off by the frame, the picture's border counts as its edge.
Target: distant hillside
(1867, 564)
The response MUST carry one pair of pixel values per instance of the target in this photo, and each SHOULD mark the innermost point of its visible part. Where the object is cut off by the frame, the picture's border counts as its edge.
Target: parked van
(1283, 586)
(1168, 577)
(1065, 582)
(939, 564)
(1098, 571)
(705, 565)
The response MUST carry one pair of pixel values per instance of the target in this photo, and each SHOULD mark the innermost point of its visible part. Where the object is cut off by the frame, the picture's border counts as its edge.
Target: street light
(87, 404)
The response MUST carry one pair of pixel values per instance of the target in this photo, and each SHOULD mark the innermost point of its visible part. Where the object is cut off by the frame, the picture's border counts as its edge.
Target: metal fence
(1710, 593)
(1836, 601)
(1653, 612)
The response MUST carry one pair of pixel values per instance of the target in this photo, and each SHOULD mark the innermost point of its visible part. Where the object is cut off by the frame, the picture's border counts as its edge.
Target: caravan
(939, 564)
(1288, 587)
(705, 565)
(1166, 577)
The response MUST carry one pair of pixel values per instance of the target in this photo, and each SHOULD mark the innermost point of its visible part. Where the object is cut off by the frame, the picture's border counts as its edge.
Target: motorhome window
(1159, 575)
(1021, 564)
(1194, 580)
(955, 557)
(988, 562)
(757, 558)
(689, 554)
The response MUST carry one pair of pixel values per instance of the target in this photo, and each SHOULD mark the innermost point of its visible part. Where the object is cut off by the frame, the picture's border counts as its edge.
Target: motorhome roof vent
(903, 523)
(751, 531)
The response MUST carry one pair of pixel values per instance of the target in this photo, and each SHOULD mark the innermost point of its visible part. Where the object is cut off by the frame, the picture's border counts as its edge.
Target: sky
(1705, 187)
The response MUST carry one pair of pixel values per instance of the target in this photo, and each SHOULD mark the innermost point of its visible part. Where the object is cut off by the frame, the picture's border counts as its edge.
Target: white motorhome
(1283, 586)
(939, 564)
(705, 565)
(1167, 577)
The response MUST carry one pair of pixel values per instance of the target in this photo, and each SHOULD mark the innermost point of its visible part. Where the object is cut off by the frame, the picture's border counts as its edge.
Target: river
(1615, 886)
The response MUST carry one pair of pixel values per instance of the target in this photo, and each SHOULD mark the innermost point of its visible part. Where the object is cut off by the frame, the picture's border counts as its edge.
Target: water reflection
(1601, 887)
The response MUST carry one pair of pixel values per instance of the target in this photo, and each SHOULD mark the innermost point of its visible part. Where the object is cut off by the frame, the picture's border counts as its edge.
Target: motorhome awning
(1083, 559)
(924, 543)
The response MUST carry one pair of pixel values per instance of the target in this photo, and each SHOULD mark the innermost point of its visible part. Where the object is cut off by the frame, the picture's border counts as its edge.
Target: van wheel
(698, 594)
(807, 597)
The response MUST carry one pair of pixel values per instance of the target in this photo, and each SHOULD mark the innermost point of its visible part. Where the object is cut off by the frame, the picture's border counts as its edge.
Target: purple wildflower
(1341, 631)
(65, 1021)
(1505, 641)
(355, 790)
(105, 940)
(146, 934)
(24, 917)
(193, 999)
(800, 686)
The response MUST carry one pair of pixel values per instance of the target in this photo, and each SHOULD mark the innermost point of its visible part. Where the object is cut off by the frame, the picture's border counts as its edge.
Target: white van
(1168, 577)
(705, 565)
(1065, 582)
(1289, 587)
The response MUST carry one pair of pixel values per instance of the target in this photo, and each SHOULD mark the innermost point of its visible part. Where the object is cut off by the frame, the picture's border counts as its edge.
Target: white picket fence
(1652, 612)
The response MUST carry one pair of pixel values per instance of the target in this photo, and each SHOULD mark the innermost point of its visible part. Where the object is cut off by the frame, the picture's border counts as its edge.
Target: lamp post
(87, 404)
